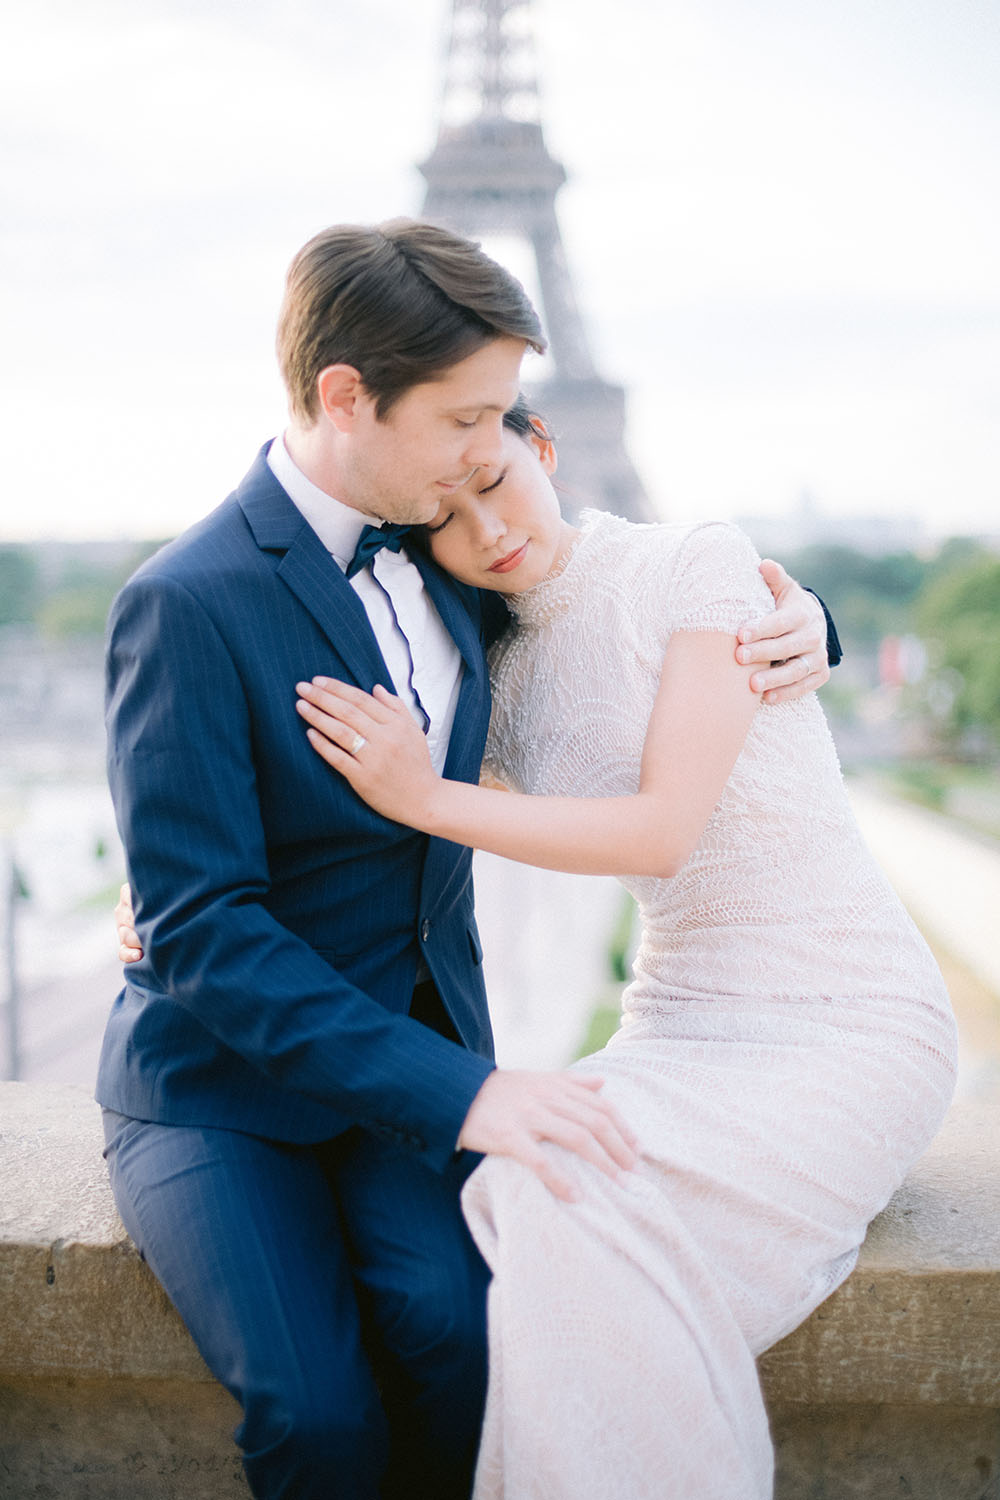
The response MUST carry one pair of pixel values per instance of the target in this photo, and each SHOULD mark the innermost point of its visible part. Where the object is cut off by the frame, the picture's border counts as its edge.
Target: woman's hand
(129, 947)
(374, 743)
(792, 641)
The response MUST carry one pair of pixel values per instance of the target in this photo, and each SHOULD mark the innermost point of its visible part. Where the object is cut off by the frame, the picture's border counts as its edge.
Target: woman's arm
(699, 721)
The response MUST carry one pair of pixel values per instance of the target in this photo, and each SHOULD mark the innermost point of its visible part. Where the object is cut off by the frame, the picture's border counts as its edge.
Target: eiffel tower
(491, 173)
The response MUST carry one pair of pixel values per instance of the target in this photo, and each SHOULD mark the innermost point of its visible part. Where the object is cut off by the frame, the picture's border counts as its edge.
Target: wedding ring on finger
(807, 664)
(358, 743)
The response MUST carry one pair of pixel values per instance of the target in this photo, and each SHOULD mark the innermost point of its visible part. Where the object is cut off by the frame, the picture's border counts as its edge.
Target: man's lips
(455, 484)
(505, 564)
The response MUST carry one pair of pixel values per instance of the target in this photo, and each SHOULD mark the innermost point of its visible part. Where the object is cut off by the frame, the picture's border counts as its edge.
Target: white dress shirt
(423, 661)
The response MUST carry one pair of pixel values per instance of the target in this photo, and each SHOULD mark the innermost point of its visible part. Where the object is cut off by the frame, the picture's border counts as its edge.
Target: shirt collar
(337, 525)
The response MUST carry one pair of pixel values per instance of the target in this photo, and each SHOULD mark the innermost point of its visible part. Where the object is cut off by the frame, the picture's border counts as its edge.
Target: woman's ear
(543, 445)
(338, 388)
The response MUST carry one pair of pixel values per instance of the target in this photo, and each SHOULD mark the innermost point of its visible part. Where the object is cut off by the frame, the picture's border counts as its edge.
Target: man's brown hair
(400, 302)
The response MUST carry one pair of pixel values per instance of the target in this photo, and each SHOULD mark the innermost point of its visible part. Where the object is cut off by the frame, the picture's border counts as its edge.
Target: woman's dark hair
(401, 302)
(525, 420)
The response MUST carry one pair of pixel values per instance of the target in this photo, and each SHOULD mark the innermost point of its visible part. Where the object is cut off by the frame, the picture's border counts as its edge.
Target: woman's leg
(617, 1369)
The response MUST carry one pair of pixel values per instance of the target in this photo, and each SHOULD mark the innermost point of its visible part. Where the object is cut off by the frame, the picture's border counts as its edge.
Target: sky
(783, 222)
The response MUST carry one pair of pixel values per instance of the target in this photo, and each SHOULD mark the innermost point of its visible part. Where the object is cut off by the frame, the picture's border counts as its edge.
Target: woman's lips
(505, 564)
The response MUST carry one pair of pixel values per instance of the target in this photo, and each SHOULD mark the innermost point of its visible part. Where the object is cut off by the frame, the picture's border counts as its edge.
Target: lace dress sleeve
(715, 583)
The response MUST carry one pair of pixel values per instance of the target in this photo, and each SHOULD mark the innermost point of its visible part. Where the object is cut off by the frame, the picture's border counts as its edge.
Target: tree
(959, 618)
(19, 585)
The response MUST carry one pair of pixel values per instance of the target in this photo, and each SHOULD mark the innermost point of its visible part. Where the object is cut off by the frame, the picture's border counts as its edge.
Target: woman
(787, 1047)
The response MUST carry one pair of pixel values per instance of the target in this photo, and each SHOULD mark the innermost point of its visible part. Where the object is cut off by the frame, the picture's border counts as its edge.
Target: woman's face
(503, 529)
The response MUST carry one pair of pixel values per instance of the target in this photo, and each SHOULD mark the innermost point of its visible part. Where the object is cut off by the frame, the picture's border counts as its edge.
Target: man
(299, 1069)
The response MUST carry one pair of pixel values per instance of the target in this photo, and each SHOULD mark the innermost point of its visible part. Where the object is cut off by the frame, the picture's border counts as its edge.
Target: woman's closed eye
(486, 490)
(498, 481)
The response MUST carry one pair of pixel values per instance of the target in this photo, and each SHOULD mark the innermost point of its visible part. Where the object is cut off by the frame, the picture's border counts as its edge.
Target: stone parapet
(892, 1387)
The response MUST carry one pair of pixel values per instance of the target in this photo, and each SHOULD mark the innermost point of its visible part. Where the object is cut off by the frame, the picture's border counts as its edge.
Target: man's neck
(310, 452)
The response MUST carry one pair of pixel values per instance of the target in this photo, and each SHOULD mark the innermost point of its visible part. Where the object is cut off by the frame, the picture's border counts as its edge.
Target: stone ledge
(918, 1322)
(75, 1297)
(892, 1386)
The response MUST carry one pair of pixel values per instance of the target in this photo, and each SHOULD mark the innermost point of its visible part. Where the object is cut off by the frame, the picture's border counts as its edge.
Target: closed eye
(433, 530)
(488, 490)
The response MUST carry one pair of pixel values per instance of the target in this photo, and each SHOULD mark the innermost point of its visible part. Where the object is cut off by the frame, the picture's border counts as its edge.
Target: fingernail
(743, 655)
(323, 682)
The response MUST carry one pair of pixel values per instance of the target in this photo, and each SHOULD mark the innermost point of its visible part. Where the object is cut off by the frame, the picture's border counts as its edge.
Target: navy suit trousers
(333, 1289)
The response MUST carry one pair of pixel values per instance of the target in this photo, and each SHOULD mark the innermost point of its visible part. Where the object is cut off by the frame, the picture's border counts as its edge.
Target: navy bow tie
(372, 540)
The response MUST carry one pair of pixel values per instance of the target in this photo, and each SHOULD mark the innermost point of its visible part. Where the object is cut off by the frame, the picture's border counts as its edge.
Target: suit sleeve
(183, 780)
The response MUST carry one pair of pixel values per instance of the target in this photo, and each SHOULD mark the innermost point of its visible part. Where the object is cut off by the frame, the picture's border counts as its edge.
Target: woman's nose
(490, 526)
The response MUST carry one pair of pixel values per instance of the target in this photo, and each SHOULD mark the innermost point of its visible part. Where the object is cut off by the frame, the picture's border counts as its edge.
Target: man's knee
(443, 1321)
(314, 1444)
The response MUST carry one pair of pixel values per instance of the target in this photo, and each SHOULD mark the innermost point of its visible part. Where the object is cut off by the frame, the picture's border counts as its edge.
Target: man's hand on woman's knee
(517, 1112)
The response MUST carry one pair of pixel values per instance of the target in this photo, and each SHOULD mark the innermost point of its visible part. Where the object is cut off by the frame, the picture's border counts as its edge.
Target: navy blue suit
(267, 1026)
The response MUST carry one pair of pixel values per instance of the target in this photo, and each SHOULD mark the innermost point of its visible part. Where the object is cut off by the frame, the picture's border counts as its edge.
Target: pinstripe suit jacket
(282, 919)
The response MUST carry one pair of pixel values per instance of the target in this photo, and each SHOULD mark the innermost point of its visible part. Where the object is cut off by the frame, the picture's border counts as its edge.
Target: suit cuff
(834, 651)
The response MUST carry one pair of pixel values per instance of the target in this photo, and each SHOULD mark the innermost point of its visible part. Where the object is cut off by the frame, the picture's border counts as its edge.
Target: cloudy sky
(783, 221)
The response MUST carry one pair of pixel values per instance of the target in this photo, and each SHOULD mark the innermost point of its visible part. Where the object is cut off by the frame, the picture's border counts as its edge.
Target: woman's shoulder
(700, 576)
(685, 542)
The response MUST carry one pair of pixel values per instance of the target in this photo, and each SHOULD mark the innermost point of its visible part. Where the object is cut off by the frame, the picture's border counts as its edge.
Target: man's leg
(245, 1238)
(422, 1285)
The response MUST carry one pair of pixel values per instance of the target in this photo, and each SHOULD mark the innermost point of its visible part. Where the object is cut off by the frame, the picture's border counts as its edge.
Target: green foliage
(923, 782)
(601, 1027)
(76, 602)
(869, 597)
(959, 618)
(621, 941)
(19, 585)
(78, 610)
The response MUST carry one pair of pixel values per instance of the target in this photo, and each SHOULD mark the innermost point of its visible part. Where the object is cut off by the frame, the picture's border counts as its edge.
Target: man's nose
(485, 446)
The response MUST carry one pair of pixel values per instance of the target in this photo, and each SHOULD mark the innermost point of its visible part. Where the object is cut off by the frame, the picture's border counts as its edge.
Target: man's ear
(339, 388)
(543, 445)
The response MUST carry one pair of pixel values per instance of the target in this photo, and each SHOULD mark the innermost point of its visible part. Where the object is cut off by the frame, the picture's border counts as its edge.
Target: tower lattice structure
(491, 173)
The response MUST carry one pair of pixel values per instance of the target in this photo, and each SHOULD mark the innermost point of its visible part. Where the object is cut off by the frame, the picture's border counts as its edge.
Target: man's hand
(514, 1112)
(129, 947)
(792, 640)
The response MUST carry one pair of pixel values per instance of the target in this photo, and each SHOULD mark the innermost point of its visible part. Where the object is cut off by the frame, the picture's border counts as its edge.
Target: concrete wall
(892, 1388)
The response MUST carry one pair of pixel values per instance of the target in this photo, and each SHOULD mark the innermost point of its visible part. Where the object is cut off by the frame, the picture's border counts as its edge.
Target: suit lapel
(472, 711)
(309, 571)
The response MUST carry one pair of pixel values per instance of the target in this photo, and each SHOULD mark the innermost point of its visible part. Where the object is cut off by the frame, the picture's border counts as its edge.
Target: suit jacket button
(425, 930)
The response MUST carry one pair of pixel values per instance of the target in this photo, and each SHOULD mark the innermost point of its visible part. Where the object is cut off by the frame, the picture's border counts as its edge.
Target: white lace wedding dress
(786, 1053)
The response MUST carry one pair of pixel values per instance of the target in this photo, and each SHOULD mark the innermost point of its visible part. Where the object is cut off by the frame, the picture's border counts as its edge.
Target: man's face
(434, 438)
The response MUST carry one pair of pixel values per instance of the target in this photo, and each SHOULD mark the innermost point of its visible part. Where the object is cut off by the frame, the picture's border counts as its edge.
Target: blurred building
(490, 173)
(810, 526)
